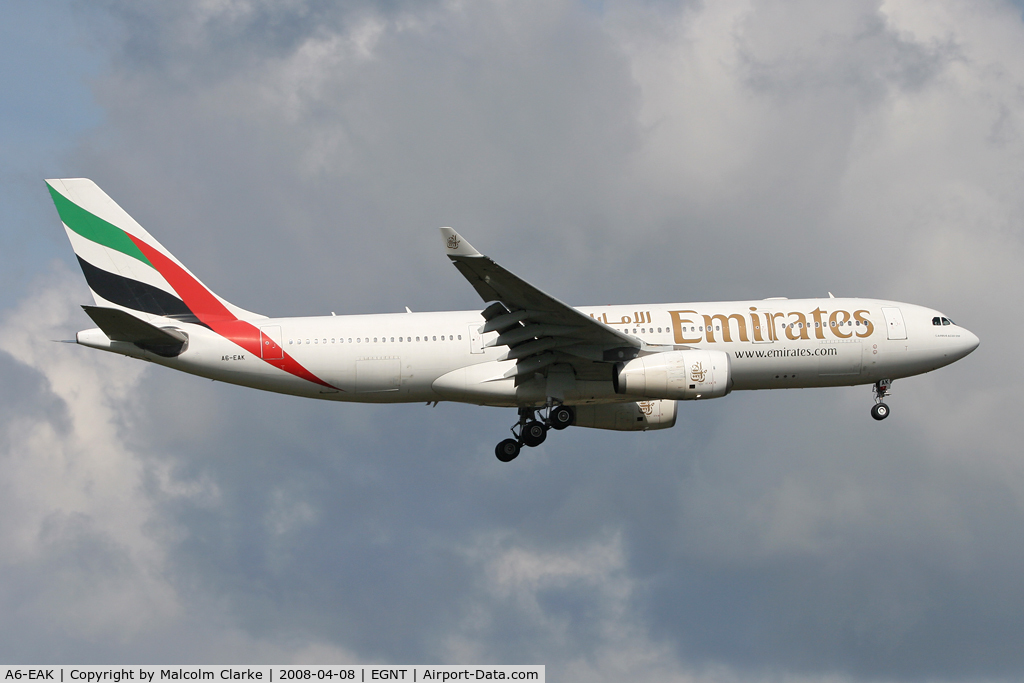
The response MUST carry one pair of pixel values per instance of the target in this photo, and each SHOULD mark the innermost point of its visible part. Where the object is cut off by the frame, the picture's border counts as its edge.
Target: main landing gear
(880, 411)
(531, 431)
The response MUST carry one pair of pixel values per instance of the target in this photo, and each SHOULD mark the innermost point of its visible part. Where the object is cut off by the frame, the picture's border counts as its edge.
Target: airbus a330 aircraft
(604, 367)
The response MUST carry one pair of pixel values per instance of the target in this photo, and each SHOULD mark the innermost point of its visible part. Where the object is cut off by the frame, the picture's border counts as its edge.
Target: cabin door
(761, 328)
(476, 340)
(894, 327)
(270, 343)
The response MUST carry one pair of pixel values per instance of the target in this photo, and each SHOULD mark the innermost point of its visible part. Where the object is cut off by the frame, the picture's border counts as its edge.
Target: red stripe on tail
(211, 312)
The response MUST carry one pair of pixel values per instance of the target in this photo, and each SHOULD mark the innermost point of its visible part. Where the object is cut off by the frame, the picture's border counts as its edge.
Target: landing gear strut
(531, 431)
(880, 411)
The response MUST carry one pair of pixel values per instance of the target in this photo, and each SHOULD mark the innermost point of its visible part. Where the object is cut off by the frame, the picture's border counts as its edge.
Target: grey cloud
(363, 150)
(806, 50)
(26, 393)
(189, 43)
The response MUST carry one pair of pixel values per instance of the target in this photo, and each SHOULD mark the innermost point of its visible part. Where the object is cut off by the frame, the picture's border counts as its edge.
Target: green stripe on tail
(94, 228)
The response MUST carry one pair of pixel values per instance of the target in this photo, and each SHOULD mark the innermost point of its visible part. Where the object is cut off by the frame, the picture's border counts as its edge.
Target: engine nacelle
(627, 417)
(683, 375)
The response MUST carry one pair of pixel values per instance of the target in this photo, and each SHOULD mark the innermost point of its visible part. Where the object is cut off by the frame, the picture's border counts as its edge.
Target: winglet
(455, 245)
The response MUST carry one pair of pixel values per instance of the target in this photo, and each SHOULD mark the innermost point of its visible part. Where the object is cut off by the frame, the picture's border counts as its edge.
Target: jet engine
(627, 417)
(684, 375)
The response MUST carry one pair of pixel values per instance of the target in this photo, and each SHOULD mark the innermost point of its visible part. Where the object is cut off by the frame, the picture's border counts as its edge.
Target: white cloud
(75, 512)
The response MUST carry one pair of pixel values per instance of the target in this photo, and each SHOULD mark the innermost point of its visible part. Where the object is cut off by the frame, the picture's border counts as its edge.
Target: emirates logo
(453, 242)
(697, 372)
(646, 407)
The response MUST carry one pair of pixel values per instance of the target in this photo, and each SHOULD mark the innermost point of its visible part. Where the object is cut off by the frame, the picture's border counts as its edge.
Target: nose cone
(967, 342)
(970, 341)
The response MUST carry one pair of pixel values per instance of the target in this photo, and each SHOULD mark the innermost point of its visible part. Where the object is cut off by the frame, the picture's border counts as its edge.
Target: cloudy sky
(299, 156)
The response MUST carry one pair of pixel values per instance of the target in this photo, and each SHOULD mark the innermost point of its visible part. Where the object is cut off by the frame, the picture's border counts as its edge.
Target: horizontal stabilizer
(121, 326)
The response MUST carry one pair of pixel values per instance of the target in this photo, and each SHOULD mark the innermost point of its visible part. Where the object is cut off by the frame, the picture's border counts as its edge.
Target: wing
(538, 329)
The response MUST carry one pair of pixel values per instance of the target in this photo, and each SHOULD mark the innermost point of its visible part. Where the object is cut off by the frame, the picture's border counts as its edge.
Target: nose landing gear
(880, 410)
(531, 432)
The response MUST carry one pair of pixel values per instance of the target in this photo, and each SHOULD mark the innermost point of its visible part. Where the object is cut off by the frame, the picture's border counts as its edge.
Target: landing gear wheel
(533, 433)
(561, 417)
(507, 450)
(879, 411)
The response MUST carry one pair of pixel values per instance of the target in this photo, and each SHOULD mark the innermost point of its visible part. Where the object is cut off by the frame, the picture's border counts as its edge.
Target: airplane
(617, 367)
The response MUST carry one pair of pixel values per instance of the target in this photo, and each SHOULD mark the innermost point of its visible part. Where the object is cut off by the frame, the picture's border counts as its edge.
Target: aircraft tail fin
(125, 267)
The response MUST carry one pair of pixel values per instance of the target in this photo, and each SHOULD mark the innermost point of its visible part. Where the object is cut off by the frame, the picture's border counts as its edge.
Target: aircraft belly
(482, 383)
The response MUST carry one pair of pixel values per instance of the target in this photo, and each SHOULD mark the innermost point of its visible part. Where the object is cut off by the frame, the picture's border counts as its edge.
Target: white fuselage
(407, 357)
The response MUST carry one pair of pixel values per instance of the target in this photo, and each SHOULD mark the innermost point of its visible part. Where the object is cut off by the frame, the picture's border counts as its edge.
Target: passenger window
(435, 337)
(460, 337)
(417, 338)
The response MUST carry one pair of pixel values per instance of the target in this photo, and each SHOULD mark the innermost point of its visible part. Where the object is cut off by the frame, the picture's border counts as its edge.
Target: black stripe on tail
(135, 295)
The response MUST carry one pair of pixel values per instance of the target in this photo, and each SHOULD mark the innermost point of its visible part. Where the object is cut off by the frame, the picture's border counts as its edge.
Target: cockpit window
(936, 320)
(947, 321)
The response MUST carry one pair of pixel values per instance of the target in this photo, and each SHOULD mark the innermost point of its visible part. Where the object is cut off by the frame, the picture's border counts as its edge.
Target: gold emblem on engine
(646, 407)
(697, 372)
(453, 242)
